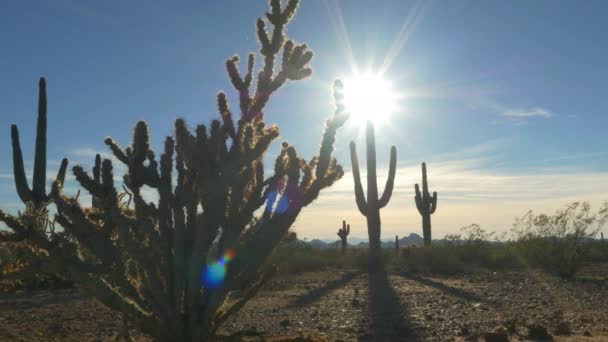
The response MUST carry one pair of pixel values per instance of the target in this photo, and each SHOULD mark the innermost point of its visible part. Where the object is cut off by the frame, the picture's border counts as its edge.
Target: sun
(369, 97)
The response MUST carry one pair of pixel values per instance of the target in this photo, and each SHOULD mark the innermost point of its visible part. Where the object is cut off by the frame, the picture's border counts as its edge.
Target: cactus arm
(39, 178)
(388, 189)
(360, 197)
(23, 189)
(418, 199)
(348, 229)
(61, 173)
(433, 203)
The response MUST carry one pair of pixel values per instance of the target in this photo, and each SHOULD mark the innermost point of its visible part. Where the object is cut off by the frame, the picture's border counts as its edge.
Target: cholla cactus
(370, 208)
(152, 263)
(426, 206)
(343, 234)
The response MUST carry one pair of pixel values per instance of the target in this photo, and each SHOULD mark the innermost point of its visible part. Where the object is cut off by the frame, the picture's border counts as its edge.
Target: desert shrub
(460, 253)
(558, 243)
(441, 259)
(597, 251)
(303, 258)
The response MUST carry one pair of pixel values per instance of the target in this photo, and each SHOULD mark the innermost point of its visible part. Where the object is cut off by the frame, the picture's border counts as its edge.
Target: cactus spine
(370, 207)
(426, 205)
(37, 194)
(343, 234)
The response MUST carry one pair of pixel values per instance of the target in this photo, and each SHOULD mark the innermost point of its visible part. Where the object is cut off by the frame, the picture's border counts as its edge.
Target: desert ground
(351, 305)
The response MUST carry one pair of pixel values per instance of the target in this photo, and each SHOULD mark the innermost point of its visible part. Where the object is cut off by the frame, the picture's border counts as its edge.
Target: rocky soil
(352, 306)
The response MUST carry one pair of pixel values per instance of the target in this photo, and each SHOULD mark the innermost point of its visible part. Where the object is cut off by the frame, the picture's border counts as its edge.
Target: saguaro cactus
(36, 196)
(426, 205)
(343, 234)
(370, 207)
(397, 243)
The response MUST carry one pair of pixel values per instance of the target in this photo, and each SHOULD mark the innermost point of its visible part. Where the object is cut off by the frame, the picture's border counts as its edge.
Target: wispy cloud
(528, 113)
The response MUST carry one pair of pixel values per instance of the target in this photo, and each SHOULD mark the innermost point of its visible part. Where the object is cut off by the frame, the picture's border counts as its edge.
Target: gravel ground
(352, 306)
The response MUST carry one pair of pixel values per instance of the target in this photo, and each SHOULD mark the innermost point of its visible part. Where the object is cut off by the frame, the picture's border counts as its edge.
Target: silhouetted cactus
(33, 262)
(37, 195)
(147, 262)
(343, 234)
(370, 207)
(426, 205)
(397, 243)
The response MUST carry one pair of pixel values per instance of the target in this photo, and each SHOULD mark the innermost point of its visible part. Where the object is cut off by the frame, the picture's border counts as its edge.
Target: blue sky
(506, 101)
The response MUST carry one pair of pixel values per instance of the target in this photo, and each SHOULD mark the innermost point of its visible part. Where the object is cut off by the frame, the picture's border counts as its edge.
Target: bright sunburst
(369, 96)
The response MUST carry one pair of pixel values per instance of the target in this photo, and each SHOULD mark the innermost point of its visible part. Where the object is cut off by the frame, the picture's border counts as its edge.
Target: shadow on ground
(456, 292)
(316, 294)
(388, 316)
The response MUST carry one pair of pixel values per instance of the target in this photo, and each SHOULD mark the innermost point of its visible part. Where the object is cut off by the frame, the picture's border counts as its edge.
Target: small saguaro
(343, 234)
(426, 205)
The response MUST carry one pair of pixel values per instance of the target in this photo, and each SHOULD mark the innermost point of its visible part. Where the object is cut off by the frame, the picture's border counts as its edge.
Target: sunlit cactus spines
(343, 234)
(150, 262)
(370, 206)
(426, 205)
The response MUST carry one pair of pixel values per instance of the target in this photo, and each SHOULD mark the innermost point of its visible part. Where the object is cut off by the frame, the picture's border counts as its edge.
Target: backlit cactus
(153, 262)
(37, 195)
(343, 234)
(370, 206)
(426, 205)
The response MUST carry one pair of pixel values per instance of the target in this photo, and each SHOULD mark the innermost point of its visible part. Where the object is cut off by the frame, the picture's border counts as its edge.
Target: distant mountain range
(412, 239)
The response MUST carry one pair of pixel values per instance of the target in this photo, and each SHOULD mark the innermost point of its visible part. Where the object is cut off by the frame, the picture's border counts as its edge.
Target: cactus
(37, 195)
(154, 262)
(343, 234)
(370, 207)
(426, 206)
(397, 243)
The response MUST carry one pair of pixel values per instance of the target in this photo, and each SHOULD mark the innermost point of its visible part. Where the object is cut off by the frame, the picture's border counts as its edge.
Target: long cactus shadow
(456, 292)
(387, 315)
(316, 294)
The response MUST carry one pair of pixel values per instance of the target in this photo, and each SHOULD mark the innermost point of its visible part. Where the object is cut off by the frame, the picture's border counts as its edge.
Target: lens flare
(215, 272)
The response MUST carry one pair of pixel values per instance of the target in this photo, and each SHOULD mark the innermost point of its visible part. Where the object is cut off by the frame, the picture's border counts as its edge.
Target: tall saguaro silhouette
(370, 207)
(37, 195)
(426, 205)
